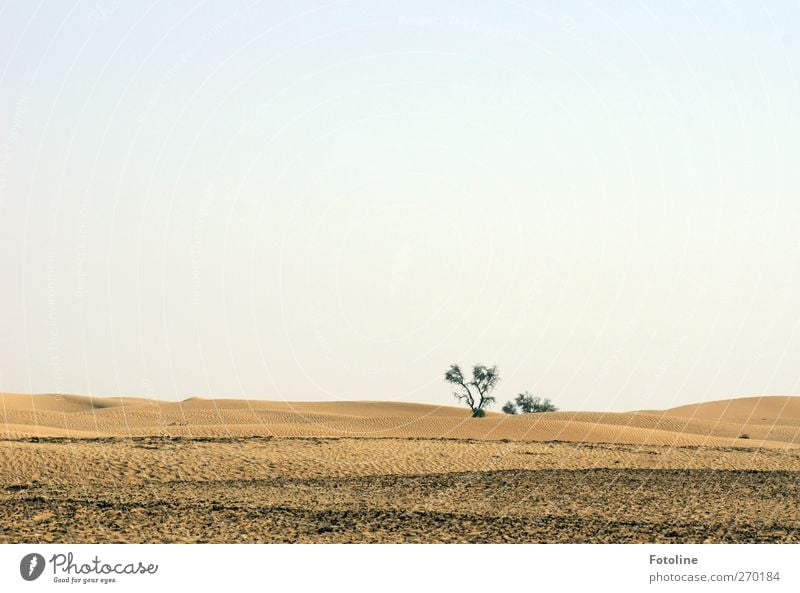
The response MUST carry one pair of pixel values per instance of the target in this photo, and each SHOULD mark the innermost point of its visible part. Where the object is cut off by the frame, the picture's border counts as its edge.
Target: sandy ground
(77, 469)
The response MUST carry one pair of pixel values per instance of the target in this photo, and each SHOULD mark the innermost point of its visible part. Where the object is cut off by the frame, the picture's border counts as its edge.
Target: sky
(337, 200)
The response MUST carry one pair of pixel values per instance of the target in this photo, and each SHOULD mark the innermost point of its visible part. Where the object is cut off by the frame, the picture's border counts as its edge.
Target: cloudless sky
(336, 200)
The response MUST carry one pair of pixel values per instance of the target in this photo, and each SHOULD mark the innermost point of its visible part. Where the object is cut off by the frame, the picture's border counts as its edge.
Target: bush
(525, 403)
(510, 408)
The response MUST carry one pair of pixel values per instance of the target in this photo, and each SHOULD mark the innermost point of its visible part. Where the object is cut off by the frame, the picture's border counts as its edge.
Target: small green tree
(530, 404)
(510, 408)
(474, 393)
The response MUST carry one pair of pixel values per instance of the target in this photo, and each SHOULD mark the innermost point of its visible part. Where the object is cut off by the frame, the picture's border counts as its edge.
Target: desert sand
(81, 469)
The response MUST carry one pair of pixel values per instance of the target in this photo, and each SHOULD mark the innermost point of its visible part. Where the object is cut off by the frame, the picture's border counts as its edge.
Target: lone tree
(474, 393)
(525, 403)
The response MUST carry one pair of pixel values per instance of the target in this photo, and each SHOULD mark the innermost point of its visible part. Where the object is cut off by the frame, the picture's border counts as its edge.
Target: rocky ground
(367, 490)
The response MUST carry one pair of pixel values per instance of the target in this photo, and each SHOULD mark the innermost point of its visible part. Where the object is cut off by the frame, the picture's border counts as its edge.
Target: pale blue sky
(315, 201)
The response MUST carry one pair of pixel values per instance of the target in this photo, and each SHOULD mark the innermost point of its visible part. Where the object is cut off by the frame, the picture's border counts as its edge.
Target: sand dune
(746, 422)
(767, 410)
